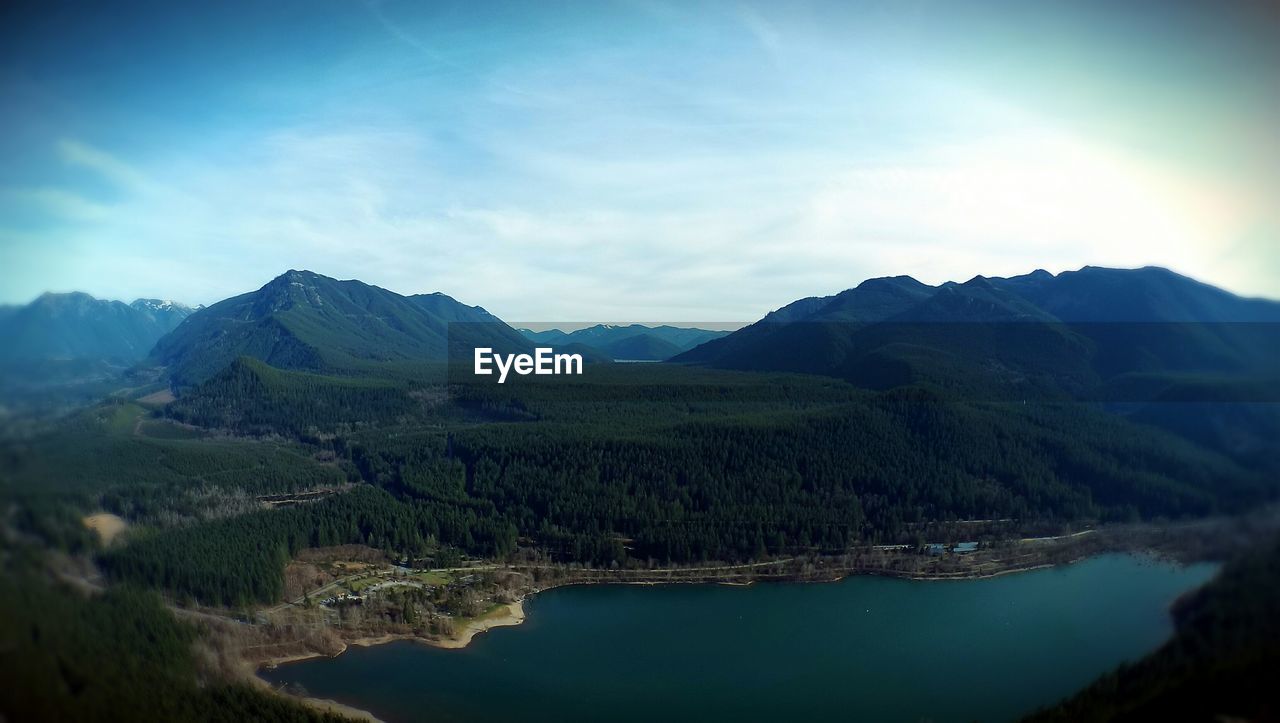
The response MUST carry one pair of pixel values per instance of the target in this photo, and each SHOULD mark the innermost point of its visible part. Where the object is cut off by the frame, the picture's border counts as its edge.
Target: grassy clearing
(120, 418)
(157, 399)
(494, 610)
(434, 578)
(159, 429)
(356, 586)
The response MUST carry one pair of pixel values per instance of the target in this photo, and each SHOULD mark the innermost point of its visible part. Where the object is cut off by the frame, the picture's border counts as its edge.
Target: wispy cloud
(764, 31)
(371, 205)
(113, 169)
(638, 161)
(409, 38)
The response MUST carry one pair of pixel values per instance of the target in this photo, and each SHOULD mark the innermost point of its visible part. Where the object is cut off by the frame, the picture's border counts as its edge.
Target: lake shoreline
(515, 614)
(324, 705)
(1018, 556)
(511, 614)
(380, 640)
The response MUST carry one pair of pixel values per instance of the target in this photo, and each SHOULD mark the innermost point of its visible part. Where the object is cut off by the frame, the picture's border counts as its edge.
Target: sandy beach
(506, 616)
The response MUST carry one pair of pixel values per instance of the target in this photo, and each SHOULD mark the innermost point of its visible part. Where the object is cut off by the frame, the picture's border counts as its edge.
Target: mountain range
(1092, 331)
(631, 342)
(1096, 331)
(76, 326)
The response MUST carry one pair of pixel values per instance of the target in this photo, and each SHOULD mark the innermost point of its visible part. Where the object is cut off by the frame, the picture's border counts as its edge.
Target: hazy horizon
(566, 324)
(641, 160)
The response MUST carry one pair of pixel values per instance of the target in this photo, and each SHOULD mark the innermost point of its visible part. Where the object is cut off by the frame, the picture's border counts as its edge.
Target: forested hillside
(316, 413)
(250, 397)
(239, 561)
(626, 464)
(632, 464)
(115, 656)
(1220, 665)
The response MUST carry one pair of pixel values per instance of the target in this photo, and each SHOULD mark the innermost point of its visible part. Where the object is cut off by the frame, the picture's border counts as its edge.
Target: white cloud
(734, 244)
(614, 183)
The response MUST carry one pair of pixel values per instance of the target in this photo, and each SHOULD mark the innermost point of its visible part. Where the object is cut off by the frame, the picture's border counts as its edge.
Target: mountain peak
(294, 277)
(891, 282)
(306, 321)
(67, 297)
(1141, 271)
(159, 304)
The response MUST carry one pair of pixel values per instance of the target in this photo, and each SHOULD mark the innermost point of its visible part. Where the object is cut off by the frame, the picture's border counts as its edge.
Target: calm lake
(866, 648)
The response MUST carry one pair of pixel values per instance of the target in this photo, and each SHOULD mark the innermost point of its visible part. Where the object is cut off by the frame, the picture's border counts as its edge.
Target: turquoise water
(866, 648)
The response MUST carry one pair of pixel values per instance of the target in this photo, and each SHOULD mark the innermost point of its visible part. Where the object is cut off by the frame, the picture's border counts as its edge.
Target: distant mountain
(166, 314)
(1078, 332)
(549, 336)
(304, 321)
(76, 326)
(632, 342)
(641, 347)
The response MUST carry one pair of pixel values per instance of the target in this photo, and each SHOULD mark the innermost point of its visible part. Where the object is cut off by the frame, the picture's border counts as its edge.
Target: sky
(632, 159)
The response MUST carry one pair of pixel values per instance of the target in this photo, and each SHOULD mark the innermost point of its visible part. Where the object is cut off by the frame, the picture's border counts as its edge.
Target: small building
(964, 548)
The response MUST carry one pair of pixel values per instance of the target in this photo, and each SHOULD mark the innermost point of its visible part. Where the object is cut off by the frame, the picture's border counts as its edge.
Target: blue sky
(631, 160)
